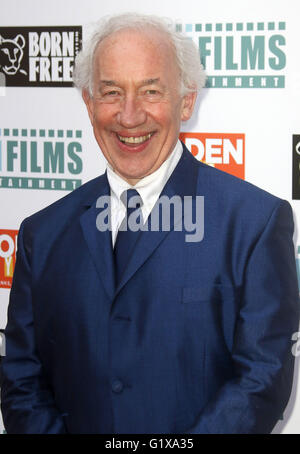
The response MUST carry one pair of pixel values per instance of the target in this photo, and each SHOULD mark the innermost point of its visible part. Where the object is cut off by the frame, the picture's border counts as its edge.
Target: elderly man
(122, 330)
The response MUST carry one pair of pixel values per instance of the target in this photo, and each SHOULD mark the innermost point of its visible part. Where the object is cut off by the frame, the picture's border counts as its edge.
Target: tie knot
(131, 199)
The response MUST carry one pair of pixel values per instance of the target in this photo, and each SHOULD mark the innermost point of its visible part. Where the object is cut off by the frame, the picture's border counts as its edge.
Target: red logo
(8, 247)
(223, 151)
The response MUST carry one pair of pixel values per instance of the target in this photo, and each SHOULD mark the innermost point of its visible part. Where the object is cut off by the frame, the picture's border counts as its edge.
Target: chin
(135, 175)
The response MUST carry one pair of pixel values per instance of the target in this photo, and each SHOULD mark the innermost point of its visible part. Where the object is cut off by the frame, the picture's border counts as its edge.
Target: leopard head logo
(11, 54)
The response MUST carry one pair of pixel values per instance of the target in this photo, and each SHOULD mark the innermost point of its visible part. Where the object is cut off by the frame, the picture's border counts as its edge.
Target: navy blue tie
(127, 237)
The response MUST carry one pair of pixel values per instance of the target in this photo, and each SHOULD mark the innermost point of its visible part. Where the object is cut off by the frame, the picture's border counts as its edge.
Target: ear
(89, 104)
(188, 103)
(20, 41)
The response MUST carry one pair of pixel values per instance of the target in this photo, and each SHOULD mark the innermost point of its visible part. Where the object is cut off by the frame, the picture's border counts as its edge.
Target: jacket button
(117, 386)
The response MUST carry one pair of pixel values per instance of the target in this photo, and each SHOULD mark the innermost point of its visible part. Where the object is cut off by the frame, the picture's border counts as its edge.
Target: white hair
(187, 55)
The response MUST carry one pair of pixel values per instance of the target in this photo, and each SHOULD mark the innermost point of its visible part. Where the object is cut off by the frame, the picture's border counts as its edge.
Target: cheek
(161, 114)
(103, 117)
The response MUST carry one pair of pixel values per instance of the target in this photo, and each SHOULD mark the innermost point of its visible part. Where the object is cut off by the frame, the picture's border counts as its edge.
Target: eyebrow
(149, 81)
(110, 83)
(113, 83)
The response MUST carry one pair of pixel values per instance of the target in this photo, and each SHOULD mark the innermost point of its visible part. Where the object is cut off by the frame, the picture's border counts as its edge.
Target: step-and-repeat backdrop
(247, 122)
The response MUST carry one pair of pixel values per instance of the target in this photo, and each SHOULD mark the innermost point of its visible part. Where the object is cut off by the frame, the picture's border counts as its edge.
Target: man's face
(136, 108)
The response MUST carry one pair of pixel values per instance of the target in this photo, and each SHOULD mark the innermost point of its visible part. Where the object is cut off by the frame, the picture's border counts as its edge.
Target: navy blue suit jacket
(196, 338)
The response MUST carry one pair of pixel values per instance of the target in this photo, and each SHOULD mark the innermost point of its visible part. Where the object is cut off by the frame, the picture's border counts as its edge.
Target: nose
(131, 113)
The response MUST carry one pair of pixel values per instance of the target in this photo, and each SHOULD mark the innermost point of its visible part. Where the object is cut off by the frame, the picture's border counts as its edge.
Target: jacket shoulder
(228, 189)
(233, 190)
(244, 206)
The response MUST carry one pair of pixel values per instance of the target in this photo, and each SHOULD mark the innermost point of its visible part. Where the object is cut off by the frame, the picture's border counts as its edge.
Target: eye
(109, 96)
(152, 95)
(111, 93)
(5, 51)
(152, 92)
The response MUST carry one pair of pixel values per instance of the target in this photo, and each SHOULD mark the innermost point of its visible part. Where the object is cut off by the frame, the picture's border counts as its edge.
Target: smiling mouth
(135, 140)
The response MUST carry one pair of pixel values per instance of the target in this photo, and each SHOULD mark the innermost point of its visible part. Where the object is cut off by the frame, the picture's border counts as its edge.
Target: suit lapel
(99, 243)
(183, 182)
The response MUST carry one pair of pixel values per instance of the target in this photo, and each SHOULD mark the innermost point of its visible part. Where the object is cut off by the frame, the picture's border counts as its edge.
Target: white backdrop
(249, 42)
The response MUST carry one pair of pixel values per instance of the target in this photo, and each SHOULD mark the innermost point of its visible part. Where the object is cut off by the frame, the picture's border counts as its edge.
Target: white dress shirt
(149, 189)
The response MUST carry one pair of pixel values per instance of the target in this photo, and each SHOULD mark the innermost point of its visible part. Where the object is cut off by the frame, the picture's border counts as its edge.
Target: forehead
(135, 54)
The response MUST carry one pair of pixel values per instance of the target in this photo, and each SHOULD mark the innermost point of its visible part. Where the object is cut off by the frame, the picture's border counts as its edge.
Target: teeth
(135, 139)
